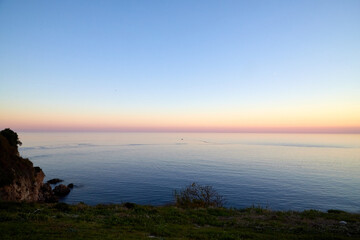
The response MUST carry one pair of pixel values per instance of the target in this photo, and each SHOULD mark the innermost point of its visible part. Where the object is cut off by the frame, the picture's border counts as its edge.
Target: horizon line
(300, 130)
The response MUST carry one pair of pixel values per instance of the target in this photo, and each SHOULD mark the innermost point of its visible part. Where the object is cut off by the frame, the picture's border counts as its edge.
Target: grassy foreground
(130, 221)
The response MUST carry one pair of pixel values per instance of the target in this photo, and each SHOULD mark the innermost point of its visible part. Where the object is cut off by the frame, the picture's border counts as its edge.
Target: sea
(274, 171)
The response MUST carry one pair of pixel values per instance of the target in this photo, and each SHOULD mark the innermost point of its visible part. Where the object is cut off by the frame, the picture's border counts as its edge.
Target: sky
(217, 66)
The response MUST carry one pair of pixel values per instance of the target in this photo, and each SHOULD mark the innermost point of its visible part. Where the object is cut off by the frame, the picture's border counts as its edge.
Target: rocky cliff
(19, 179)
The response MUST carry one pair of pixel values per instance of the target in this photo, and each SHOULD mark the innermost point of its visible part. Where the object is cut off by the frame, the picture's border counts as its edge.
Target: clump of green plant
(63, 207)
(198, 196)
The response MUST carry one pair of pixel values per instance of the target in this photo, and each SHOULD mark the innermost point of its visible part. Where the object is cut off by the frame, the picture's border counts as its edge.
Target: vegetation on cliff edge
(132, 221)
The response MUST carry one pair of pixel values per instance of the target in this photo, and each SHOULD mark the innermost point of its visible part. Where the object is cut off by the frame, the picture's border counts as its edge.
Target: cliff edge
(19, 179)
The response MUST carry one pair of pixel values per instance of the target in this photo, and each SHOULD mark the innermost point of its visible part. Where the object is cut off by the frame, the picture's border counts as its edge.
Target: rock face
(47, 194)
(24, 188)
(55, 181)
(61, 190)
(19, 179)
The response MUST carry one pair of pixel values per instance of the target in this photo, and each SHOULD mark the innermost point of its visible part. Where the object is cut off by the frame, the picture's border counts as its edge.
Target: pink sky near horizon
(260, 121)
(149, 128)
(335, 130)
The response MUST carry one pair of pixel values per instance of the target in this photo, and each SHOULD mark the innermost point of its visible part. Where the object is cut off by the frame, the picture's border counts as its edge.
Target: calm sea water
(279, 171)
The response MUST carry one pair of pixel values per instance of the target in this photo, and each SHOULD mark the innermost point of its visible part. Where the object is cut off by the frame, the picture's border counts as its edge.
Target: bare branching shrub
(196, 195)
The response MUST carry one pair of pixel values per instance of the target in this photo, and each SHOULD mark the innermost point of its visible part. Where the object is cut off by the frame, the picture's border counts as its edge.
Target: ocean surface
(277, 171)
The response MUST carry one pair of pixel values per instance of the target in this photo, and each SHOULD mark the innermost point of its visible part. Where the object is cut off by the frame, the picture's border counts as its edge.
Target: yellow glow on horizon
(312, 117)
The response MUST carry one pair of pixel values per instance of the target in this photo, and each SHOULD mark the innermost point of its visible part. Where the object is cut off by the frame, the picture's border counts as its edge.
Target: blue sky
(194, 60)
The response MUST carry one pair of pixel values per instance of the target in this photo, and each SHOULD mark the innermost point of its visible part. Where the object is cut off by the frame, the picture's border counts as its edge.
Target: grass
(131, 221)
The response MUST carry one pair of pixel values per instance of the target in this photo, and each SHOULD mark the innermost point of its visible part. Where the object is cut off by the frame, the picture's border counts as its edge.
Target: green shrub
(129, 205)
(63, 207)
(335, 211)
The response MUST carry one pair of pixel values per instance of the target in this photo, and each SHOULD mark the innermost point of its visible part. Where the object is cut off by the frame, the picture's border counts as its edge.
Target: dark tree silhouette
(11, 136)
